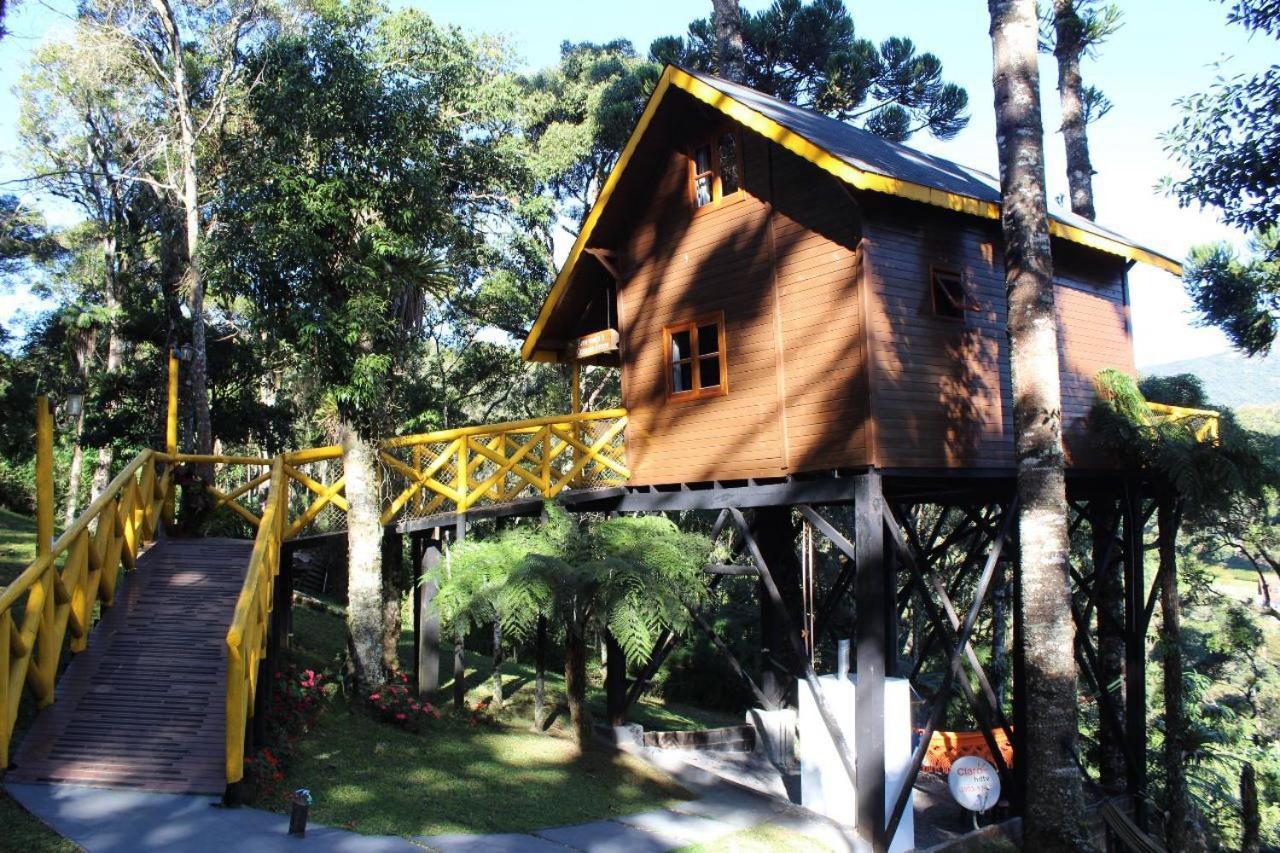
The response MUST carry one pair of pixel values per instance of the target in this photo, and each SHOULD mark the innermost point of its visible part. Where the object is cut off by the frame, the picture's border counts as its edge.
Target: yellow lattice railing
(247, 635)
(1203, 423)
(456, 470)
(54, 597)
(447, 471)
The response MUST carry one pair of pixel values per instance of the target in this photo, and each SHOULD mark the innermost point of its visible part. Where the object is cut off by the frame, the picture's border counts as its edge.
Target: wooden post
(576, 406)
(869, 641)
(615, 681)
(459, 653)
(426, 621)
(1135, 674)
(44, 476)
(171, 436)
(782, 656)
(282, 609)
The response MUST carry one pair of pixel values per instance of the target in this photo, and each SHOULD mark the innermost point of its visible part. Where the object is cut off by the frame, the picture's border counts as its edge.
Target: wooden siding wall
(941, 389)
(679, 265)
(1093, 334)
(812, 358)
(939, 385)
(816, 234)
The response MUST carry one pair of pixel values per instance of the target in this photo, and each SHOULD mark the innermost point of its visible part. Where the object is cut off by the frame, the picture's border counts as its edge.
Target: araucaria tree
(809, 54)
(1054, 799)
(1073, 29)
(1228, 143)
(378, 153)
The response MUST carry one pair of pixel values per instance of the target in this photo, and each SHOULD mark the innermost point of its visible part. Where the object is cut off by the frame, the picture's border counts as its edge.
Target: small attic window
(950, 298)
(715, 167)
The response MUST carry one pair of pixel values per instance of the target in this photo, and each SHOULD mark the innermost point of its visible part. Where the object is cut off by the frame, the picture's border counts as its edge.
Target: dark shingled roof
(870, 153)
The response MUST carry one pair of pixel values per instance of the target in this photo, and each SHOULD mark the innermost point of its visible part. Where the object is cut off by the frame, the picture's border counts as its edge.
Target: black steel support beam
(873, 594)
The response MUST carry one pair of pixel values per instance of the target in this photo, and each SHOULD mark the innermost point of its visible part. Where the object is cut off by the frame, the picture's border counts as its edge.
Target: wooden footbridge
(159, 694)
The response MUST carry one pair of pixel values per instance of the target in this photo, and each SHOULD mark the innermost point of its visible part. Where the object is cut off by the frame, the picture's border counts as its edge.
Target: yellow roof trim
(820, 157)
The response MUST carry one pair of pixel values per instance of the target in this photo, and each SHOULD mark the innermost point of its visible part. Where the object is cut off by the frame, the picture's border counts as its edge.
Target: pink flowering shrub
(297, 697)
(394, 703)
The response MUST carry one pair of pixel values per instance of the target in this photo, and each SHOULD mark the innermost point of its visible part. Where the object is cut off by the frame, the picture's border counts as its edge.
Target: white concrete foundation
(825, 786)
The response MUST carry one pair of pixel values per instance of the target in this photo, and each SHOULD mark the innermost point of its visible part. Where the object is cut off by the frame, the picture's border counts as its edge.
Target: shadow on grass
(458, 777)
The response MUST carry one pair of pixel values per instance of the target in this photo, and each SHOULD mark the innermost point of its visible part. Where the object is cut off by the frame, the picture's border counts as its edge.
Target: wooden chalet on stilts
(806, 315)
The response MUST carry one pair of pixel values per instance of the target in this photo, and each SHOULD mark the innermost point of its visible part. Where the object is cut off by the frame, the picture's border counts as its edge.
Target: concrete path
(105, 820)
(102, 820)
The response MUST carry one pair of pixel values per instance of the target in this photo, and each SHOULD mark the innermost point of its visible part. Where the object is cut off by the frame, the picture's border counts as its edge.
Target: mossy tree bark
(1181, 829)
(364, 558)
(1069, 46)
(729, 45)
(1054, 797)
(1110, 609)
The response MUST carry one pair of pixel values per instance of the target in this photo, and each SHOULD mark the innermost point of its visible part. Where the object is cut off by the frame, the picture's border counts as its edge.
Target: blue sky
(1166, 49)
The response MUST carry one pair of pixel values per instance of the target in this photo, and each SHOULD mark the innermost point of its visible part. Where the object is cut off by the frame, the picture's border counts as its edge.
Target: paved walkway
(103, 820)
(143, 706)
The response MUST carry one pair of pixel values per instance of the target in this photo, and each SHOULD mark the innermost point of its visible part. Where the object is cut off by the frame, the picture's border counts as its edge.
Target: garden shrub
(296, 701)
(393, 703)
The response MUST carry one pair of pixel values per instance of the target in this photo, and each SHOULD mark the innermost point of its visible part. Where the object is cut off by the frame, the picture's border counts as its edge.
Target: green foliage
(355, 213)
(632, 576)
(809, 54)
(1208, 476)
(1241, 297)
(1228, 144)
(1227, 139)
(580, 114)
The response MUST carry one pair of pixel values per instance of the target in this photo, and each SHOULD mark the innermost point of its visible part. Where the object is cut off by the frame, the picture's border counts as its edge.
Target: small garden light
(183, 353)
(302, 801)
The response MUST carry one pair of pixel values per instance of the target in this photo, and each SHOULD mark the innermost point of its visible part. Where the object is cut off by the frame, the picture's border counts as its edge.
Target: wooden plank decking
(144, 706)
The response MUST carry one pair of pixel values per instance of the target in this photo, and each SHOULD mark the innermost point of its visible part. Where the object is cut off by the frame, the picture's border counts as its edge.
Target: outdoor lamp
(183, 353)
(74, 404)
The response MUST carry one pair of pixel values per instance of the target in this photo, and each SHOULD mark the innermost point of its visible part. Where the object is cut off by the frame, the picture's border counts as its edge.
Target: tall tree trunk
(189, 198)
(115, 357)
(729, 46)
(1250, 817)
(86, 341)
(575, 686)
(1068, 48)
(364, 558)
(1180, 828)
(1110, 607)
(392, 588)
(1054, 798)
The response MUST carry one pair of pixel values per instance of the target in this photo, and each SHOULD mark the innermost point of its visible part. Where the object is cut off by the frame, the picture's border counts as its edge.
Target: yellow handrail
(1209, 428)
(457, 469)
(247, 635)
(61, 601)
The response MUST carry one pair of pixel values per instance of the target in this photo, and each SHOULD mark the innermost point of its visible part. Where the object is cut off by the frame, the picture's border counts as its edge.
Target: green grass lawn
(17, 545)
(764, 838)
(497, 776)
(374, 778)
(19, 830)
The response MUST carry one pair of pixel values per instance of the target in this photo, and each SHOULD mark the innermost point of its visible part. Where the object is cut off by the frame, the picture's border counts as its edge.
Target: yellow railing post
(171, 436)
(576, 408)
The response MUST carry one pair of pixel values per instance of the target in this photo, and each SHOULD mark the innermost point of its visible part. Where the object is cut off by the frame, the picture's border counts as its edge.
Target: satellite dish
(974, 783)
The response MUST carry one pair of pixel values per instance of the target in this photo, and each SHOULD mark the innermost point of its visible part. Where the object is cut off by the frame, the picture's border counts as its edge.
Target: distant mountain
(1230, 379)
